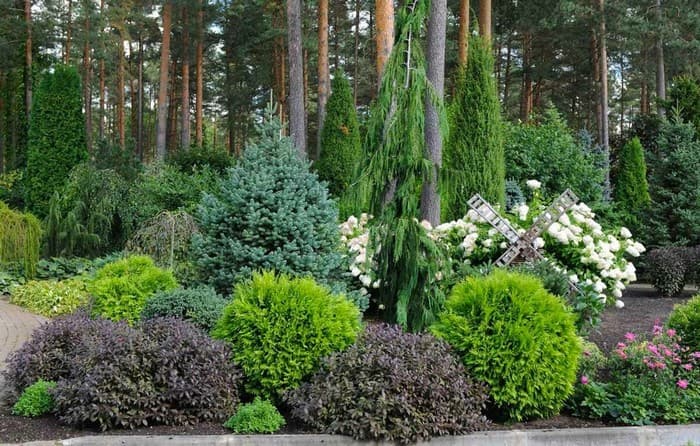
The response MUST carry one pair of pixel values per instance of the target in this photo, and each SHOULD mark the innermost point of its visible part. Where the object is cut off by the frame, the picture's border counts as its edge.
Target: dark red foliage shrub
(394, 386)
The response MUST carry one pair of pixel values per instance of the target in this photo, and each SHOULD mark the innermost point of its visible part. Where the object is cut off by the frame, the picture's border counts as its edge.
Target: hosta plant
(49, 297)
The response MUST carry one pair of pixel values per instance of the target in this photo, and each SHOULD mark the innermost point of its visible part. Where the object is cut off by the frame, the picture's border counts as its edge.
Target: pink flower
(621, 354)
(660, 365)
(682, 383)
(652, 348)
(584, 379)
(695, 355)
(630, 336)
(671, 332)
(668, 352)
(621, 345)
(687, 366)
(658, 329)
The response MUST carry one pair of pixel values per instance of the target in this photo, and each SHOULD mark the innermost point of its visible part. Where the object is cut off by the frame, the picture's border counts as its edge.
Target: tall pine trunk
(185, 115)
(199, 94)
(28, 78)
(69, 32)
(297, 122)
(435, 56)
(121, 125)
(385, 34)
(280, 63)
(526, 92)
(660, 65)
(101, 74)
(356, 55)
(139, 114)
(323, 73)
(604, 128)
(463, 37)
(485, 18)
(161, 131)
(87, 79)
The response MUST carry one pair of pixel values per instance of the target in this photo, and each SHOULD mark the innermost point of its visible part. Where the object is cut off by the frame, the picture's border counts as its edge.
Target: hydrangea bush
(596, 259)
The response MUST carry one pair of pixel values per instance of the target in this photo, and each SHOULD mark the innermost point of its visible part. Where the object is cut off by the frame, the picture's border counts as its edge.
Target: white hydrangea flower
(487, 243)
(523, 210)
(625, 233)
(503, 245)
(619, 304)
(538, 243)
(533, 184)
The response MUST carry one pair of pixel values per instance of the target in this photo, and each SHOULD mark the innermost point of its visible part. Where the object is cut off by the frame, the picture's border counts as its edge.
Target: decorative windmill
(521, 247)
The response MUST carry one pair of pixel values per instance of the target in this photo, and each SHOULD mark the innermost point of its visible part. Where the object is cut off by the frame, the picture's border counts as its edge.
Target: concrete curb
(686, 435)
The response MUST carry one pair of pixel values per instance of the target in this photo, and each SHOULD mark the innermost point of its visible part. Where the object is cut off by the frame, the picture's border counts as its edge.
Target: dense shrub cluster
(201, 306)
(35, 400)
(685, 319)
(671, 268)
(51, 298)
(516, 337)
(110, 375)
(121, 288)
(269, 212)
(258, 417)
(280, 328)
(392, 386)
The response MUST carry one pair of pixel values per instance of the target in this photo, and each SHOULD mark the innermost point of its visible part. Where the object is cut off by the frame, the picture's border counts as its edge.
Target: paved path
(16, 326)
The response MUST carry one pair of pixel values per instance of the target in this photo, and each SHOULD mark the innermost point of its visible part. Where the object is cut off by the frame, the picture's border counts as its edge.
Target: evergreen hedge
(56, 136)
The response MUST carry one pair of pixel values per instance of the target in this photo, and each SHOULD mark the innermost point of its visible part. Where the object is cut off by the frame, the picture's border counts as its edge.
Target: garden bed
(643, 307)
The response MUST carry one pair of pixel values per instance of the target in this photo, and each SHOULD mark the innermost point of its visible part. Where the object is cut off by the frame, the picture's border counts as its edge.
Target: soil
(642, 308)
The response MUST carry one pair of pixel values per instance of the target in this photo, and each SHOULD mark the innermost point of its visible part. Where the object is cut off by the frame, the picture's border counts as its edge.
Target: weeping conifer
(407, 257)
(20, 237)
(474, 160)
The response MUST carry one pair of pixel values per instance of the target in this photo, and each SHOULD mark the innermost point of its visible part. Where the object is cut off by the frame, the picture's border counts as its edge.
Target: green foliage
(258, 417)
(674, 186)
(392, 386)
(59, 268)
(189, 161)
(280, 328)
(201, 306)
(684, 98)
(393, 175)
(9, 280)
(517, 338)
(36, 400)
(631, 191)
(340, 139)
(166, 239)
(51, 298)
(83, 217)
(685, 319)
(268, 212)
(121, 288)
(20, 238)
(514, 194)
(56, 135)
(553, 280)
(549, 153)
(474, 158)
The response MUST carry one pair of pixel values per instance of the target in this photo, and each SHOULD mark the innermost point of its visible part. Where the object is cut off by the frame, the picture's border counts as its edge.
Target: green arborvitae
(56, 136)
(20, 238)
(631, 190)
(268, 212)
(340, 139)
(408, 258)
(474, 157)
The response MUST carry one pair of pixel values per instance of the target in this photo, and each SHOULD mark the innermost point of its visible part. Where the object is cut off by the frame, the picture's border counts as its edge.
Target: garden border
(682, 435)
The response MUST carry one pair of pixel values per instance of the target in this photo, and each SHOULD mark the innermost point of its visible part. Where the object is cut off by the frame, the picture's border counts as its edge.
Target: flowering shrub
(594, 259)
(646, 381)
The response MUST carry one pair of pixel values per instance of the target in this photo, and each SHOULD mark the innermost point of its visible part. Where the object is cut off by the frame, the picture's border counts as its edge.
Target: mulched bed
(642, 308)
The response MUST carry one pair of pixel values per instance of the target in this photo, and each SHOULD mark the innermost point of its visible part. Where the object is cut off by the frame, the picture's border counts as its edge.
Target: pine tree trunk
(28, 78)
(173, 138)
(163, 84)
(485, 18)
(102, 79)
(323, 72)
(297, 124)
(185, 118)
(3, 132)
(660, 66)
(199, 107)
(87, 80)
(69, 32)
(463, 37)
(121, 127)
(526, 93)
(605, 132)
(385, 34)
(355, 79)
(139, 116)
(435, 56)
(280, 64)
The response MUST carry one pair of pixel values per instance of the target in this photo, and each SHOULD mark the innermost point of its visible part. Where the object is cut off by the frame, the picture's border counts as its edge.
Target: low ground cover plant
(35, 400)
(391, 386)
(516, 337)
(279, 328)
(49, 297)
(258, 417)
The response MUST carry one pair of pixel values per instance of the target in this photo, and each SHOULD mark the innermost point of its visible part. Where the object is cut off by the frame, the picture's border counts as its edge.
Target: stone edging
(685, 435)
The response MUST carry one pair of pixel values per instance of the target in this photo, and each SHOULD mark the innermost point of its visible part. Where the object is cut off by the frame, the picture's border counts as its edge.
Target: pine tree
(340, 138)
(56, 136)
(631, 191)
(474, 156)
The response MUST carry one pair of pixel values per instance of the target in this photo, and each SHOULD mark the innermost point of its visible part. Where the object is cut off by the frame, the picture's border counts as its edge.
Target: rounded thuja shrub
(515, 336)
(35, 400)
(280, 328)
(392, 386)
(258, 417)
(685, 319)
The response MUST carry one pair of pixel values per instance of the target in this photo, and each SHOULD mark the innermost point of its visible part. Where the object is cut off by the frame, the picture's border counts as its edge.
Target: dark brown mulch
(642, 308)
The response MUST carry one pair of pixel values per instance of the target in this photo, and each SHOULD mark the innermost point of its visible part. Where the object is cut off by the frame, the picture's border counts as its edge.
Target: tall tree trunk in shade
(323, 72)
(69, 32)
(280, 62)
(603, 60)
(121, 126)
(101, 75)
(139, 115)
(28, 60)
(172, 136)
(87, 78)
(526, 92)
(356, 54)
(185, 112)
(297, 124)
(485, 18)
(463, 37)
(163, 83)
(385, 33)
(3, 131)
(199, 94)
(435, 57)
(660, 65)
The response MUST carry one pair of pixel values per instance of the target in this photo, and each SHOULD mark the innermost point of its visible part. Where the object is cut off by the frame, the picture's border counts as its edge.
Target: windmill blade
(485, 211)
(562, 204)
